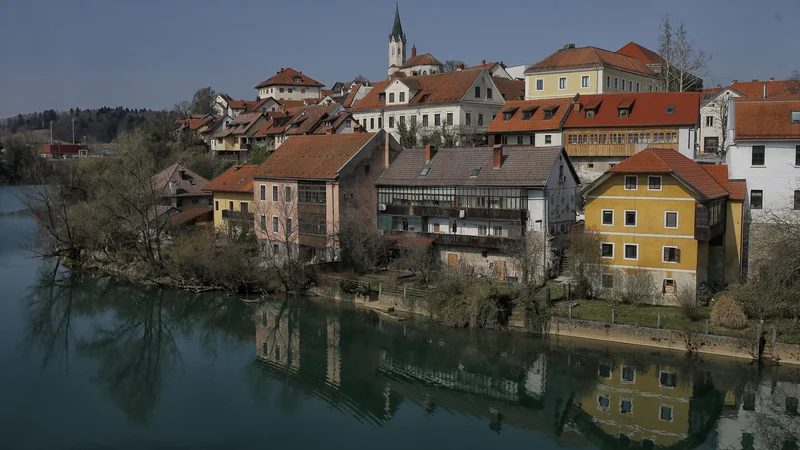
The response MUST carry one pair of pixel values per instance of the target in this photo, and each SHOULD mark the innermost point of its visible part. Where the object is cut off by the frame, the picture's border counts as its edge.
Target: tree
(408, 130)
(794, 82)
(259, 153)
(362, 247)
(203, 101)
(586, 263)
(470, 135)
(719, 108)
(682, 65)
(360, 78)
(183, 109)
(451, 65)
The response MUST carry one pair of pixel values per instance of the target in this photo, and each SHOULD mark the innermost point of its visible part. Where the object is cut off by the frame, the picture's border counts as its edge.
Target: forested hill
(91, 125)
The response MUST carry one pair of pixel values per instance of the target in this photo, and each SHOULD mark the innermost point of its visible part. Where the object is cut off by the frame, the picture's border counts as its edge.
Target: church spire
(397, 29)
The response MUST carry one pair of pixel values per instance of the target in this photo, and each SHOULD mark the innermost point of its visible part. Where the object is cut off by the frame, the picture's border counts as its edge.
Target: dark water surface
(94, 364)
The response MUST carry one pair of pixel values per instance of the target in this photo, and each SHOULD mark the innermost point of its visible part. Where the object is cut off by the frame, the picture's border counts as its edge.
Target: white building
(471, 203)
(289, 84)
(764, 136)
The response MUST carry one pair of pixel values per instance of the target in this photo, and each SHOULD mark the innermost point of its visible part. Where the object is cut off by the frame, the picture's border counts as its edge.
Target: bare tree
(720, 107)
(586, 263)
(444, 135)
(470, 135)
(183, 109)
(362, 247)
(794, 82)
(683, 65)
(360, 78)
(666, 50)
(451, 64)
(203, 101)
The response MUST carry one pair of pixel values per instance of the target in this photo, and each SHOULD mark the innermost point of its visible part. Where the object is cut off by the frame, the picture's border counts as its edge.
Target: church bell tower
(397, 43)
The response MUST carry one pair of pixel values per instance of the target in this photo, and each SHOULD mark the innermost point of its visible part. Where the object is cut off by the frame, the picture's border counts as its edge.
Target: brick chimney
(459, 66)
(483, 63)
(771, 78)
(430, 152)
(497, 156)
(734, 81)
(413, 50)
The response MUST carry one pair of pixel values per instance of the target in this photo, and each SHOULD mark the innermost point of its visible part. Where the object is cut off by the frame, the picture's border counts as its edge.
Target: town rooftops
(289, 77)
(235, 179)
(767, 119)
(472, 167)
(351, 96)
(641, 53)
(529, 115)
(644, 109)
(510, 89)
(313, 157)
(668, 161)
(242, 124)
(433, 89)
(425, 59)
(187, 182)
(587, 57)
(308, 119)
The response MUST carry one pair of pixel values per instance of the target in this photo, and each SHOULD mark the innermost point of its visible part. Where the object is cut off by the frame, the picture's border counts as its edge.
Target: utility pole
(73, 130)
(51, 132)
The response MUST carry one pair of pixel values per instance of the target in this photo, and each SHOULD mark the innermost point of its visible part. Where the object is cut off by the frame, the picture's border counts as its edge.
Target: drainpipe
(544, 235)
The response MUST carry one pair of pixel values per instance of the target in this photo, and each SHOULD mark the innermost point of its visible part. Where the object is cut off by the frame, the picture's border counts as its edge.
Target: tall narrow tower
(397, 43)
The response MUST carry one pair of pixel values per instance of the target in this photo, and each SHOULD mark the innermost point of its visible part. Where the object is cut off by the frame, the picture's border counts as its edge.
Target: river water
(93, 364)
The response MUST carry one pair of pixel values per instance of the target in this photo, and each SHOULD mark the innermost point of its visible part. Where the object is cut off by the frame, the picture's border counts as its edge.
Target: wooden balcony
(515, 215)
(237, 216)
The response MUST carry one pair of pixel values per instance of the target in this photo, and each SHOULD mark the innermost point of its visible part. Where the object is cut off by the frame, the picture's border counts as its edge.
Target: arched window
(424, 72)
(392, 51)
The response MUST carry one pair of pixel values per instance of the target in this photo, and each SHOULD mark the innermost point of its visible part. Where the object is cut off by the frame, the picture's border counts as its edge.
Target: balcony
(704, 229)
(516, 215)
(457, 239)
(237, 216)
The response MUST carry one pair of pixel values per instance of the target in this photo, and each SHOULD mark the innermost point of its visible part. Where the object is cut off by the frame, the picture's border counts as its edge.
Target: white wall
(560, 198)
(778, 178)
(687, 138)
(298, 92)
(539, 139)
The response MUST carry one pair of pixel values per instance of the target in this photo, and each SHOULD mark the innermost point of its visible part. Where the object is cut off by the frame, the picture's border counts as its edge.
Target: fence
(405, 296)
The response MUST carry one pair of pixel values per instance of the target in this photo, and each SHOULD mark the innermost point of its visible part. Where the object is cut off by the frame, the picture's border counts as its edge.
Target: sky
(62, 54)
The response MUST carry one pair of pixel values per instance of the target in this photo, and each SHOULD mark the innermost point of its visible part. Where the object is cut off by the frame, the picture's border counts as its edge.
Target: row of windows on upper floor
(757, 199)
(669, 253)
(631, 218)
(548, 139)
(619, 138)
(586, 83)
(758, 156)
(281, 90)
(314, 194)
(400, 120)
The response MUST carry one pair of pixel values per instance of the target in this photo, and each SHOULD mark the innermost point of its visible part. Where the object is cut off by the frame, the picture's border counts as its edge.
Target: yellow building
(237, 136)
(233, 197)
(662, 212)
(587, 70)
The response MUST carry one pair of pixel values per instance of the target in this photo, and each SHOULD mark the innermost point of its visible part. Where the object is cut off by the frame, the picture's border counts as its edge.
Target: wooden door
(452, 260)
(499, 270)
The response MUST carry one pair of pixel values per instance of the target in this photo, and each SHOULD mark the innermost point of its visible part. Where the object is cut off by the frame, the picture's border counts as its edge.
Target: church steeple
(397, 43)
(397, 29)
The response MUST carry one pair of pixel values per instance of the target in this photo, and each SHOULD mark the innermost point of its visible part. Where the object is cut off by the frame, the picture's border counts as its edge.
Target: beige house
(289, 84)
(235, 138)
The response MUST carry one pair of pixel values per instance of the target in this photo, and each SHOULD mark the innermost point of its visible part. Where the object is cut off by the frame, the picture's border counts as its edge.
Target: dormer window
(507, 116)
(509, 113)
(297, 79)
(623, 112)
(402, 97)
(795, 117)
(550, 112)
(329, 123)
(526, 115)
(424, 98)
(670, 109)
(382, 97)
(590, 114)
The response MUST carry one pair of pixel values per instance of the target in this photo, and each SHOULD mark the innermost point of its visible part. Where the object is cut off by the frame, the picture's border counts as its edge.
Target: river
(89, 363)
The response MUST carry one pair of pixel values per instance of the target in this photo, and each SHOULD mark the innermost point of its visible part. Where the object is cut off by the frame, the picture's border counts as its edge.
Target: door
(499, 269)
(452, 260)
(244, 208)
(669, 287)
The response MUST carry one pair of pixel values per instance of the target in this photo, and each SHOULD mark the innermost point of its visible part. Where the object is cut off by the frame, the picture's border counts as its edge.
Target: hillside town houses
(466, 160)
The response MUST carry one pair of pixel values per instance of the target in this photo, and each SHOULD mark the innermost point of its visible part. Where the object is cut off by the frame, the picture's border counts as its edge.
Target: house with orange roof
(764, 136)
(232, 193)
(690, 82)
(603, 129)
(235, 139)
(531, 122)
(587, 70)
(289, 84)
(663, 214)
(309, 185)
(496, 69)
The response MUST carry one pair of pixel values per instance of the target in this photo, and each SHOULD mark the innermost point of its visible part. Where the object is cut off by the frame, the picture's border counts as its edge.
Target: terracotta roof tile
(312, 157)
(425, 59)
(766, 119)
(661, 160)
(289, 77)
(351, 96)
(188, 185)
(536, 122)
(306, 121)
(573, 58)
(510, 89)
(775, 88)
(237, 104)
(736, 189)
(489, 66)
(641, 53)
(235, 179)
(191, 215)
(648, 109)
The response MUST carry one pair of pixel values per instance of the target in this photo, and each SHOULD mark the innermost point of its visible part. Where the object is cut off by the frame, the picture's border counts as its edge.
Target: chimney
(386, 151)
(569, 45)
(771, 78)
(413, 50)
(459, 66)
(755, 80)
(483, 63)
(764, 94)
(497, 156)
(430, 152)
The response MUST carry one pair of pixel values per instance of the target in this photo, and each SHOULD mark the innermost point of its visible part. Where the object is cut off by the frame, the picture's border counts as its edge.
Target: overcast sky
(153, 53)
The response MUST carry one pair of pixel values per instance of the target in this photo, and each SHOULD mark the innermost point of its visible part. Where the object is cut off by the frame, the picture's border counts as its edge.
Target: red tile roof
(510, 89)
(766, 119)
(648, 109)
(235, 179)
(573, 58)
(775, 88)
(641, 53)
(668, 161)
(489, 66)
(187, 185)
(289, 77)
(433, 89)
(351, 96)
(425, 59)
(737, 189)
(191, 216)
(237, 104)
(537, 121)
(312, 157)
(308, 119)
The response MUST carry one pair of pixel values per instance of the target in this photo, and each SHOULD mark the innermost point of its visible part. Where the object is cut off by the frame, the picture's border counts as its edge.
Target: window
(623, 112)
(670, 109)
(382, 97)
(665, 413)
(653, 182)
(403, 120)
(607, 250)
(671, 219)
(468, 119)
(667, 379)
(756, 199)
(347, 124)
(302, 91)
(483, 230)
(607, 216)
(671, 255)
(616, 83)
(631, 181)
(488, 92)
(562, 83)
(608, 82)
(531, 140)
(391, 121)
(402, 97)
(288, 226)
(274, 192)
(216, 205)
(637, 86)
(437, 120)
(480, 119)
(230, 206)
(507, 116)
(795, 116)
(585, 81)
(758, 156)
(289, 90)
(449, 118)
(604, 371)
(526, 115)
(623, 84)
(630, 86)
(603, 402)
(797, 155)
(372, 123)
(288, 193)
(630, 218)
(497, 230)
(367, 169)
(519, 140)
(274, 224)
(796, 200)
(628, 374)
(626, 406)
(313, 194)
(280, 90)
(477, 92)
(380, 122)
(607, 280)
(632, 252)
(540, 85)
(263, 223)
(454, 227)
(709, 121)
(391, 97)
(424, 120)
(263, 192)
(589, 114)
(548, 139)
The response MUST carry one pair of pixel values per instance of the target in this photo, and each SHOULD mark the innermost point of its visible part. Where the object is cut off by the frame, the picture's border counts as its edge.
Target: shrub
(634, 286)
(687, 302)
(727, 313)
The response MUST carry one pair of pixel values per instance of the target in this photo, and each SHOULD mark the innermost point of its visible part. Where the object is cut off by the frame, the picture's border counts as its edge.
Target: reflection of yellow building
(278, 335)
(640, 405)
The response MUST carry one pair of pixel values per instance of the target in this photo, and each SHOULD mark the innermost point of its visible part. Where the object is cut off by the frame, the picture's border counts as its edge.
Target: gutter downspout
(545, 227)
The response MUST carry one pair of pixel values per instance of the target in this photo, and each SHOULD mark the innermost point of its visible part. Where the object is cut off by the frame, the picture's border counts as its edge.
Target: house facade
(602, 130)
(235, 139)
(232, 193)
(310, 185)
(181, 188)
(531, 122)
(587, 70)
(448, 101)
(289, 84)
(661, 212)
(473, 203)
(764, 149)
